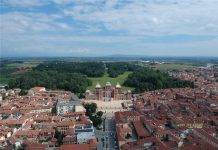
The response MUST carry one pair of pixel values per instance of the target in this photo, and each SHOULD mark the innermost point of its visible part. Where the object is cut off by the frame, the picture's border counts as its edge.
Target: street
(106, 137)
(110, 133)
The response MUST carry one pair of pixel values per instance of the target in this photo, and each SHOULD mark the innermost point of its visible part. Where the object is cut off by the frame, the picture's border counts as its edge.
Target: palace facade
(108, 93)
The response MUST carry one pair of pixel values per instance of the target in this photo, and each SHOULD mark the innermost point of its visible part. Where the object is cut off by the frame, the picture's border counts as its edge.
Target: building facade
(67, 106)
(108, 93)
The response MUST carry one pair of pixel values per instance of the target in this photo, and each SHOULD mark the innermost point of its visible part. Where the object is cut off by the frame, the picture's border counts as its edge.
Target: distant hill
(123, 56)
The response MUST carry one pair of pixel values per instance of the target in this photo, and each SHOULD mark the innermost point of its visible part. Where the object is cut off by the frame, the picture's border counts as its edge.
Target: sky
(71, 28)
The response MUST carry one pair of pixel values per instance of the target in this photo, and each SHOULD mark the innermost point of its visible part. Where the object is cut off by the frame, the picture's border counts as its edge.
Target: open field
(113, 81)
(24, 64)
(172, 66)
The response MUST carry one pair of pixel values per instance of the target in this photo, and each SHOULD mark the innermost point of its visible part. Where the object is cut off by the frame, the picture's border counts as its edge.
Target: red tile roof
(140, 130)
(36, 147)
(75, 147)
(27, 132)
(69, 139)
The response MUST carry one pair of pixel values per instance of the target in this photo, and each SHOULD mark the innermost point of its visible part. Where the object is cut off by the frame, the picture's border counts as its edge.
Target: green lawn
(4, 80)
(113, 81)
(172, 66)
(25, 64)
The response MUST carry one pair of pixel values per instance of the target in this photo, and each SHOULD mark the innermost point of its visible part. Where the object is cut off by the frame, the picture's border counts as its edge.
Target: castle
(108, 93)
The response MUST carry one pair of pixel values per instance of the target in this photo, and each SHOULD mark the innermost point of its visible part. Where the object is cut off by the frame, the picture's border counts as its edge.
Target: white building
(64, 107)
(72, 105)
(84, 137)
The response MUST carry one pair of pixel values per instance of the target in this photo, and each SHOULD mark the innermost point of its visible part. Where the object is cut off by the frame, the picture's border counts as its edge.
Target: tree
(99, 113)
(90, 111)
(54, 110)
(128, 135)
(23, 92)
(59, 136)
(90, 108)
(93, 107)
(118, 68)
(96, 120)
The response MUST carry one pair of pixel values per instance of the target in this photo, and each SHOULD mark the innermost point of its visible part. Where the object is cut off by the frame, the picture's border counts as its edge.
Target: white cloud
(152, 17)
(64, 26)
(25, 3)
(108, 26)
(139, 17)
(62, 1)
(16, 22)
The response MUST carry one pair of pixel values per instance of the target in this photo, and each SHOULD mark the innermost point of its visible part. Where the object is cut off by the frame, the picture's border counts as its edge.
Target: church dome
(118, 85)
(108, 84)
(98, 85)
(88, 91)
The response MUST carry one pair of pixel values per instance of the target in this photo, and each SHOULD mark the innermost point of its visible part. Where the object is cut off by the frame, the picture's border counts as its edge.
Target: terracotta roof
(12, 139)
(159, 145)
(75, 147)
(27, 132)
(54, 140)
(74, 114)
(206, 135)
(121, 117)
(93, 142)
(140, 130)
(69, 139)
(36, 146)
(69, 132)
(47, 130)
(120, 134)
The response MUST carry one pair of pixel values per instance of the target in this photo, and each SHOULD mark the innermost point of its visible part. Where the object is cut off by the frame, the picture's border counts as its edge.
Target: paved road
(100, 135)
(106, 137)
(110, 132)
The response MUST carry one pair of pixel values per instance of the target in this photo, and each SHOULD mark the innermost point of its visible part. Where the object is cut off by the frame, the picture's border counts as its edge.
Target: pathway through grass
(113, 81)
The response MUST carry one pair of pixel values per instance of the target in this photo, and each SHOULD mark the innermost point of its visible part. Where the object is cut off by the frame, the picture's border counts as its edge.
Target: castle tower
(118, 87)
(129, 95)
(98, 92)
(87, 94)
(117, 91)
(107, 91)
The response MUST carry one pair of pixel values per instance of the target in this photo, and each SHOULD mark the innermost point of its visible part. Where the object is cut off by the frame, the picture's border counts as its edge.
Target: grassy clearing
(25, 64)
(4, 80)
(172, 66)
(113, 81)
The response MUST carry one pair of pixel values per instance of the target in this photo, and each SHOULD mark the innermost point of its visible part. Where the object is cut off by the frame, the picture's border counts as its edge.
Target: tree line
(73, 76)
(117, 68)
(69, 76)
(146, 79)
(90, 69)
(73, 82)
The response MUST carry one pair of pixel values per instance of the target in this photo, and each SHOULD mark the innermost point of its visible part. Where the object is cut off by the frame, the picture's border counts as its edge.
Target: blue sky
(108, 27)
